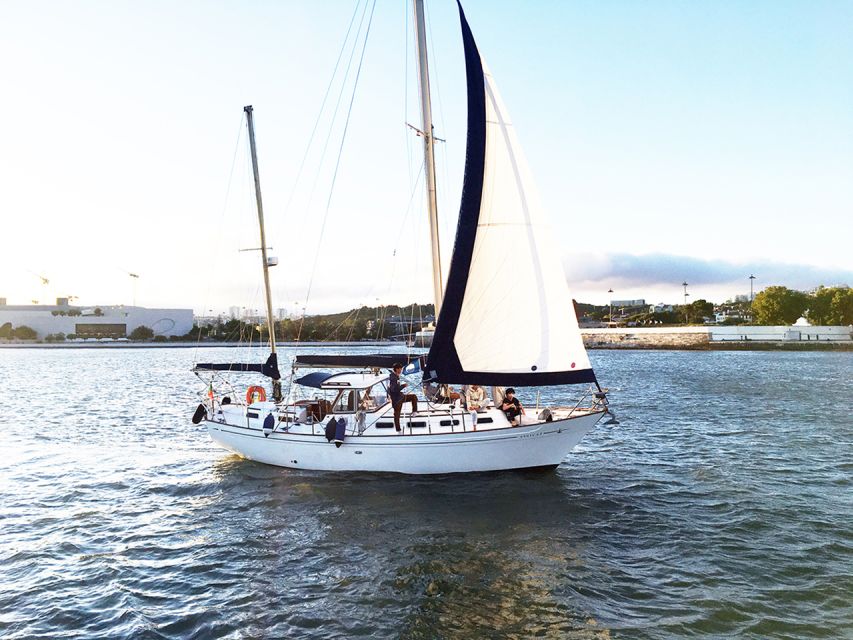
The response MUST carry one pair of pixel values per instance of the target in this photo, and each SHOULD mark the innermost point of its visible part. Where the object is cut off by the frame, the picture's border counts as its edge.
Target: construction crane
(43, 279)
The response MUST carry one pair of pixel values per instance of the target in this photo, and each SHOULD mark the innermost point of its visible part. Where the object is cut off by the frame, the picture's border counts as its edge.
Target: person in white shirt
(475, 400)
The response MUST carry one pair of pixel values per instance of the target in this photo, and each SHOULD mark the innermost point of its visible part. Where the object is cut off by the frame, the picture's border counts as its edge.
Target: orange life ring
(252, 392)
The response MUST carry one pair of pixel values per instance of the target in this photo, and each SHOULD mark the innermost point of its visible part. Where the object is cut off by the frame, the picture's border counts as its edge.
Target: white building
(96, 322)
(660, 307)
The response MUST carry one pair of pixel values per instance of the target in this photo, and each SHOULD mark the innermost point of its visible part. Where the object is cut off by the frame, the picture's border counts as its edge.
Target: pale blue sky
(669, 140)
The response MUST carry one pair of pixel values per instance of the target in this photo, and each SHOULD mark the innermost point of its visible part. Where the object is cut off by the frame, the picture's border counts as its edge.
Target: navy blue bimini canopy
(315, 379)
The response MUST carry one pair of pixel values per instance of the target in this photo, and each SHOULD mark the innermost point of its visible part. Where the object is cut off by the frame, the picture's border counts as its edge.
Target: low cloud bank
(628, 270)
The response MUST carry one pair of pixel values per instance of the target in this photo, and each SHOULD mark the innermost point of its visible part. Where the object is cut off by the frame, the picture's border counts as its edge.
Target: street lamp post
(610, 291)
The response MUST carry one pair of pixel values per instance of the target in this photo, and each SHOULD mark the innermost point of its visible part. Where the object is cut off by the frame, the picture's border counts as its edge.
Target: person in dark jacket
(398, 398)
(511, 406)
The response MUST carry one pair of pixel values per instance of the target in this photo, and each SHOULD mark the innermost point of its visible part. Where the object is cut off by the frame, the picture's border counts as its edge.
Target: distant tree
(98, 311)
(6, 330)
(55, 337)
(841, 310)
(71, 336)
(779, 305)
(698, 310)
(161, 339)
(820, 305)
(141, 333)
(74, 312)
(24, 333)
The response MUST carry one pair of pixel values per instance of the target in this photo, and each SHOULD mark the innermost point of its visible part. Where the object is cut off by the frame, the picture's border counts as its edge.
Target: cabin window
(372, 398)
(345, 402)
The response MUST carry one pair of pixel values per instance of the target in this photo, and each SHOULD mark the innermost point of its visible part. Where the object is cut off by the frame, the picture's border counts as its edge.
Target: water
(721, 506)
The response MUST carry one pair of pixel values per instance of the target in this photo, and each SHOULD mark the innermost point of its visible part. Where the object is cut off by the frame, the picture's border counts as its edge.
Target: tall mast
(270, 324)
(429, 152)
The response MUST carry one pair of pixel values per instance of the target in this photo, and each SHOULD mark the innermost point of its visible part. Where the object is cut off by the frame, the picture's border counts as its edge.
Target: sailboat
(506, 318)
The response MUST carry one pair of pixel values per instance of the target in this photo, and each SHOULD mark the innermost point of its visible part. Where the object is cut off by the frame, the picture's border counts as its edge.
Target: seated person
(446, 394)
(511, 406)
(475, 397)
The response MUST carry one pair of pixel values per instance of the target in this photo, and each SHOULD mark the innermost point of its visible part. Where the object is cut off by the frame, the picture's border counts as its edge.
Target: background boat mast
(270, 323)
(429, 154)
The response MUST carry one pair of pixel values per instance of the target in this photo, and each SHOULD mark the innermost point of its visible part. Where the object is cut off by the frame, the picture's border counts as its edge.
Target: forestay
(507, 315)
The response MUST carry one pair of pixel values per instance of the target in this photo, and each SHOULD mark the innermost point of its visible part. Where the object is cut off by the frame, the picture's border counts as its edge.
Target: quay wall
(647, 338)
(710, 337)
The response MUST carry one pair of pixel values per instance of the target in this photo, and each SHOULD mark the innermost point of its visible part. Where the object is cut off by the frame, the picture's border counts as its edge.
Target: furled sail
(507, 316)
(268, 368)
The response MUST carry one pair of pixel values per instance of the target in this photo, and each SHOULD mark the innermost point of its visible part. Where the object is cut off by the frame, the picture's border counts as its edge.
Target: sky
(670, 142)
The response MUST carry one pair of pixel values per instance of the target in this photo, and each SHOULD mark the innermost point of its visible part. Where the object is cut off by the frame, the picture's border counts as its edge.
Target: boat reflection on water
(451, 556)
(461, 588)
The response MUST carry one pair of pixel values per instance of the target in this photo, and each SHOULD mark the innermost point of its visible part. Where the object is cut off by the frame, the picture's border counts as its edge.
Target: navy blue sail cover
(269, 368)
(443, 363)
(378, 360)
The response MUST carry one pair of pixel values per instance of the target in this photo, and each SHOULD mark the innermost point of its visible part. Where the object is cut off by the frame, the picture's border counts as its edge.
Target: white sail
(517, 313)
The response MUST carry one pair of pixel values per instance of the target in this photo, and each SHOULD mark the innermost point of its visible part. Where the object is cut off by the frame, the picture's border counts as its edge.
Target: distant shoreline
(183, 345)
(728, 345)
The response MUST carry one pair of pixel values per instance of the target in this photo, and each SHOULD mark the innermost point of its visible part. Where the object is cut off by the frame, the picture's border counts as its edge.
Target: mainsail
(507, 317)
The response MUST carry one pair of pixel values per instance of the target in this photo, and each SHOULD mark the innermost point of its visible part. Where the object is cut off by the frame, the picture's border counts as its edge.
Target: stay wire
(322, 108)
(335, 112)
(338, 161)
(222, 219)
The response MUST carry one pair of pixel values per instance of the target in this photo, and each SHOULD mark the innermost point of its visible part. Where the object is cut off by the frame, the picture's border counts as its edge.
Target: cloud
(629, 270)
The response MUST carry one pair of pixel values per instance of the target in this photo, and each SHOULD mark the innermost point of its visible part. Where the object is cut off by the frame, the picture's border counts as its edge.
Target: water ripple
(719, 507)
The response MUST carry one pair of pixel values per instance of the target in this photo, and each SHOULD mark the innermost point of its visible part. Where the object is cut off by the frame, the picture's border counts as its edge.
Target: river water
(720, 506)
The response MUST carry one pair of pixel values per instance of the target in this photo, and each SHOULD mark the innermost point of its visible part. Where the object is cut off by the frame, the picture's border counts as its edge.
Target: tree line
(824, 306)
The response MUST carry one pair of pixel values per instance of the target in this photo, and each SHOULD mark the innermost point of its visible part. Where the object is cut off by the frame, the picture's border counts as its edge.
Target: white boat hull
(539, 445)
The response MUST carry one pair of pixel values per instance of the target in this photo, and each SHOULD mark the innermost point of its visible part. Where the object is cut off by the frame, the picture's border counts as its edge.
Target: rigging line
(322, 107)
(222, 220)
(343, 321)
(335, 112)
(435, 73)
(396, 244)
(393, 273)
(353, 324)
(340, 152)
(406, 93)
(446, 205)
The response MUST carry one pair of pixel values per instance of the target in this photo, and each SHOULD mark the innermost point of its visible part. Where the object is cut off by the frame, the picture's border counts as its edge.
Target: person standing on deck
(398, 398)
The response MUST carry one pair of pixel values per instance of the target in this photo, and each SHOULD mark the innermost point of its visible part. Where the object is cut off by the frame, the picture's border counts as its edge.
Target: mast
(270, 324)
(429, 153)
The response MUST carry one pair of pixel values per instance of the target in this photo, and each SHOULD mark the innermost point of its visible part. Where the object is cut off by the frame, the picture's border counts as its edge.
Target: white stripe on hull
(544, 444)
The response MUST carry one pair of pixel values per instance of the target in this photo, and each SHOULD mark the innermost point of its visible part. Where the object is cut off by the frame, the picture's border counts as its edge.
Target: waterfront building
(629, 304)
(103, 321)
(660, 307)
